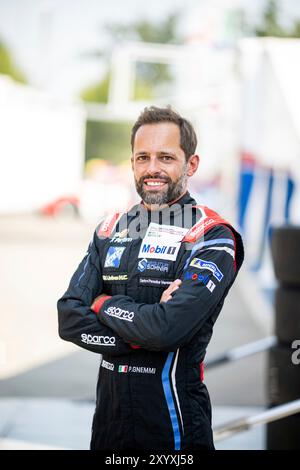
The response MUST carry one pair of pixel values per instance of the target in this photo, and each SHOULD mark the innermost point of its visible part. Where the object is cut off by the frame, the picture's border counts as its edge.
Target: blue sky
(47, 37)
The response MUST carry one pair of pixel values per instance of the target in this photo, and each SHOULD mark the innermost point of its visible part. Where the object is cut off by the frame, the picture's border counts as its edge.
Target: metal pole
(242, 351)
(244, 424)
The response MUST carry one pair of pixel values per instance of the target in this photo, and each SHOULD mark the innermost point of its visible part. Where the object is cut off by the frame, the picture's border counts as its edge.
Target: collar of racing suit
(172, 213)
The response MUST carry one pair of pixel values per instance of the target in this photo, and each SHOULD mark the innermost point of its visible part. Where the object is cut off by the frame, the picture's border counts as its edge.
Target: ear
(132, 163)
(193, 163)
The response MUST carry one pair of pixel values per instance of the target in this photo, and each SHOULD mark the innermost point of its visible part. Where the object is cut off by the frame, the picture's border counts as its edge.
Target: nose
(153, 165)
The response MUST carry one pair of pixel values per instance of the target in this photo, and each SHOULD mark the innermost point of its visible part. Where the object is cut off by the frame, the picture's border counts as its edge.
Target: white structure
(41, 147)
(205, 90)
(270, 145)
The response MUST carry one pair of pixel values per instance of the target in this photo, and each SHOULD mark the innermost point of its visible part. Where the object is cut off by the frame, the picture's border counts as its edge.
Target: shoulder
(107, 225)
(220, 232)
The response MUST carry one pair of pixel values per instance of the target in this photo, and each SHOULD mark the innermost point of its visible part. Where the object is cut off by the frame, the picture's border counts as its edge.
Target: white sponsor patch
(118, 312)
(162, 241)
(210, 286)
(159, 248)
(203, 264)
(98, 340)
(169, 232)
(107, 365)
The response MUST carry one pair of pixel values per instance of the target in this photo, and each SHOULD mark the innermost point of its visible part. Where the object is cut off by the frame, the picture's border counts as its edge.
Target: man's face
(159, 164)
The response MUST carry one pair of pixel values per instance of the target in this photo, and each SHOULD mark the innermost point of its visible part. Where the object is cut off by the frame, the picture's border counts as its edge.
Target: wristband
(98, 305)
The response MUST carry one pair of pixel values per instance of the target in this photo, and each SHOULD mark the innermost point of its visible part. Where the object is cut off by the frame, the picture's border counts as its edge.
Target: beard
(160, 197)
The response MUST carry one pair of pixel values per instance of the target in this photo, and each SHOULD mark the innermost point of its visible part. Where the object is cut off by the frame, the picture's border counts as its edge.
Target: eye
(166, 158)
(141, 158)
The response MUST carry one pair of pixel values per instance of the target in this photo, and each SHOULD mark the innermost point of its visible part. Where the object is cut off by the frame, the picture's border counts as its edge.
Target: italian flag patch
(123, 368)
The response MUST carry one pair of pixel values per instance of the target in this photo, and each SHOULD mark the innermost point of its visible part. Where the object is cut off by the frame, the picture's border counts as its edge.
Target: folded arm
(78, 323)
(169, 325)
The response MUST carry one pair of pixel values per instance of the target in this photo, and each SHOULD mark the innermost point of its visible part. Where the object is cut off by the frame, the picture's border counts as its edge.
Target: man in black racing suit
(146, 297)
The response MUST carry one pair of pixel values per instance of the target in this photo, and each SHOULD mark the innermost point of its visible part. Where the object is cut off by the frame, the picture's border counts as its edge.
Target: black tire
(285, 248)
(283, 376)
(287, 315)
(284, 434)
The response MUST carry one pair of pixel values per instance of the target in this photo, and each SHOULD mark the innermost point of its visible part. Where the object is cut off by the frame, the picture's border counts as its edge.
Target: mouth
(154, 184)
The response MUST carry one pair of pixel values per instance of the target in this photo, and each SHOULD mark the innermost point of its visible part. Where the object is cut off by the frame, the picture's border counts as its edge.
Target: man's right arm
(77, 321)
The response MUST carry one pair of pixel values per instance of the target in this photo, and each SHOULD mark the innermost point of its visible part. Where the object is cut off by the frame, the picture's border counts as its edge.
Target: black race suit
(150, 391)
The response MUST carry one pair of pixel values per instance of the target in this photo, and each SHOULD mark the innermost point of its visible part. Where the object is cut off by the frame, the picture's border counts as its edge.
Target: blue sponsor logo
(113, 257)
(202, 264)
(196, 277)
(160, 249)
(160, 266)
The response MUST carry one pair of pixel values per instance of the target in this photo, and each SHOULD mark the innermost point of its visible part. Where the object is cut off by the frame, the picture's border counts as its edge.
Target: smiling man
(159, 163)
(146, 297)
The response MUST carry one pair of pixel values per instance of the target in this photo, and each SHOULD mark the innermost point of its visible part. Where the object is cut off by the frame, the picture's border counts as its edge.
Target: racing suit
(150, 390)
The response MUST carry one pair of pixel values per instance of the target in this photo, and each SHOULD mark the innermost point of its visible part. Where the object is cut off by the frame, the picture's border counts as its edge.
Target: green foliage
(143, 30)
(108, 141)
(97, 93)
(7, 66)
(271, 26)
(149, 76)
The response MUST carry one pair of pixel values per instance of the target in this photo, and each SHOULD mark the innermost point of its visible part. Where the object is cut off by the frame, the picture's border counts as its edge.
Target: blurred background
(74, 76)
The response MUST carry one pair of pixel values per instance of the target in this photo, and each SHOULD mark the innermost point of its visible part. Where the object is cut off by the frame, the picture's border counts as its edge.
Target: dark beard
(174, 189)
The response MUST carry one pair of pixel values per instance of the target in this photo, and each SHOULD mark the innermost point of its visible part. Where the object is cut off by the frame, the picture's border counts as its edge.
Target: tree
(7, 65)
(98, 92)
(110, 140)
(271, 25)
(149, 77)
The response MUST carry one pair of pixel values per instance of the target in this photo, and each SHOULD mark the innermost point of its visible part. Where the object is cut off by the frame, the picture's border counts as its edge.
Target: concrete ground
(47, 386)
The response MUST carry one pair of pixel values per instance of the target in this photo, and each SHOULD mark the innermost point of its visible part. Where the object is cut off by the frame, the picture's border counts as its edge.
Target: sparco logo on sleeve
(119, 313)
(98, 340)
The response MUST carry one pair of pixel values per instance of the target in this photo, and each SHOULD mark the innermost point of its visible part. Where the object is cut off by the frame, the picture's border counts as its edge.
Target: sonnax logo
(119, 313)
(161, 266)
(202, 264)
(98, 340)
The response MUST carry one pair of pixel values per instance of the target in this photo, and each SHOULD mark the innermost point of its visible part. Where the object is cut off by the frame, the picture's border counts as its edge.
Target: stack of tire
(283, 378)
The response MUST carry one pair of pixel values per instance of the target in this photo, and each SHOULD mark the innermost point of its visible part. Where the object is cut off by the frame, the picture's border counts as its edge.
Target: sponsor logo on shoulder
(118, 312)
(161, 266)
(98, 340)
(113, 256)
(204, 279)
(202, 264)
(210, 285)
(120, 237)
(107, 365)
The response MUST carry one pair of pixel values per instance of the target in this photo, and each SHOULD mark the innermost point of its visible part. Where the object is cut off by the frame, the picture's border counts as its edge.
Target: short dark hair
(155, 115)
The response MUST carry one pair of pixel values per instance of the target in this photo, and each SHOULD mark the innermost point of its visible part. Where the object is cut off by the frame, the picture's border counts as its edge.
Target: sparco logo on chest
(98, 340)
(119, 313)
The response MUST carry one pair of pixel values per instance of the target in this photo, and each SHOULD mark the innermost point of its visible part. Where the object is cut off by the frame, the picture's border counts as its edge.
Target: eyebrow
(163, 152)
